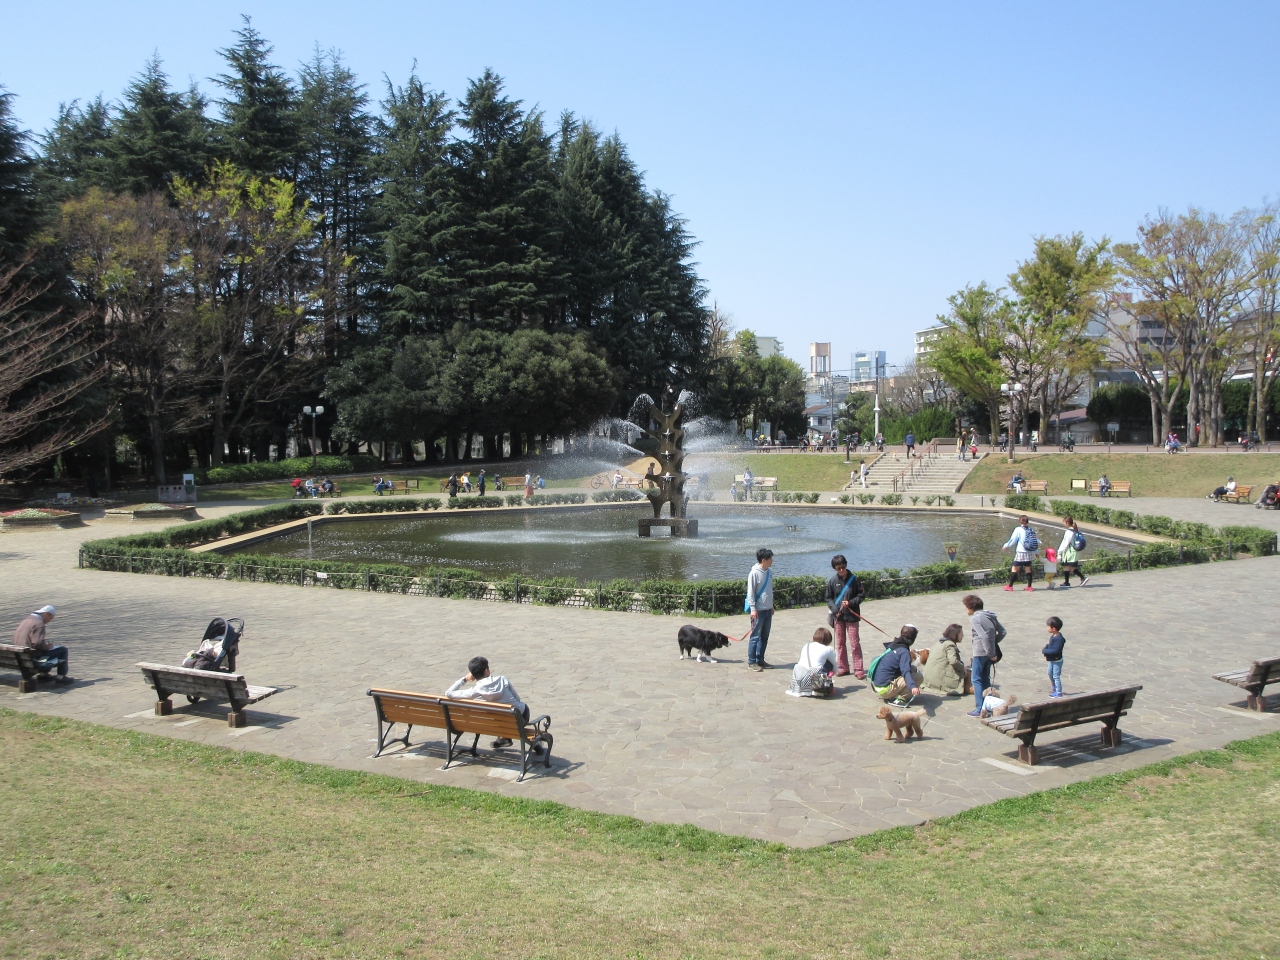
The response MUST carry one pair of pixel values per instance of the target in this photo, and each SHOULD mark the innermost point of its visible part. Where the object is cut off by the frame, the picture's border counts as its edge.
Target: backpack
(871, 670)
(1030, 542)
(1078, 542)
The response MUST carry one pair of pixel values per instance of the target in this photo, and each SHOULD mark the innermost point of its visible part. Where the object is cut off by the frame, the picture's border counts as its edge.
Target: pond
(601, 544)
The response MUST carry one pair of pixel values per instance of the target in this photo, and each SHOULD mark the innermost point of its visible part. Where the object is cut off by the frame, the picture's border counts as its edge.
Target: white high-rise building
(867, 366)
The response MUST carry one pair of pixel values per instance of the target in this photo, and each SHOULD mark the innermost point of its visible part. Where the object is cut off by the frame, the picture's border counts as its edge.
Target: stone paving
(638, 731)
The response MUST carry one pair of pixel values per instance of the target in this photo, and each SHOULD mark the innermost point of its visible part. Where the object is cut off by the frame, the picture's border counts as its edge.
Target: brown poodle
(908, 720)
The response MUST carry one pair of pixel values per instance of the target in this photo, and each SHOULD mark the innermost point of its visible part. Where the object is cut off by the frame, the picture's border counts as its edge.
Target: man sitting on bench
(494, 689)
(1220, 492)
(30, 634)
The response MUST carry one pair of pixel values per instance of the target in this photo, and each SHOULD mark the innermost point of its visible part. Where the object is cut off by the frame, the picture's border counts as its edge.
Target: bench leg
(27, 686)
(1111, 736)
(1028, 754)
(237, 718)
(1254, 701)
(164, 707)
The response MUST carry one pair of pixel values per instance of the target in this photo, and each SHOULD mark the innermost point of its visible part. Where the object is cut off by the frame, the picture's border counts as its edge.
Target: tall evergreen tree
(158, 134)
(500, 225)
(73, 152)
(19, 204)
(335, 174)
(413, 169)
(259, 133)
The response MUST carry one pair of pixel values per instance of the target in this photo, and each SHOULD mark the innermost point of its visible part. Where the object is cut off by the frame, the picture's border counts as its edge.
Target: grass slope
(117, 844)
(1152, 474)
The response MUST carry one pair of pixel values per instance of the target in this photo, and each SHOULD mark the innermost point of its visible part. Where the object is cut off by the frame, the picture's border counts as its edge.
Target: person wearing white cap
(30, 635)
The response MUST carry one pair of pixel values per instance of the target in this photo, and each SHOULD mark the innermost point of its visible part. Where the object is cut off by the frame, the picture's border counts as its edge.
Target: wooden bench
(1117, 486)
(1241, 495)
(1254, 679)
(1036, 486)
(458, 717)
(207, 684)
(759, 483)
(1105, 707)
(29, 663)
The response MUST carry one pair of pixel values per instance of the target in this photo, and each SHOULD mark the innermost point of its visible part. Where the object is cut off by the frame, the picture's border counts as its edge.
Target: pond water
(601, 544)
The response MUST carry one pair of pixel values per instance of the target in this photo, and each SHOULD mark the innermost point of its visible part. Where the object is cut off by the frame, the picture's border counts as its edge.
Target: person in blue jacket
(1053, 654)
(892, 675)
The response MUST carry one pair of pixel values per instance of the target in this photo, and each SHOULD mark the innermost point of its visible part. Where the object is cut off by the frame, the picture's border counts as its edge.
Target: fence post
(81, 558)
(1230, 554)
(695, 599)
(302, 577)
(1130, 560)
(366, 581)
(599, 596)
(713, 599)
(1180, 556)
(517, 580)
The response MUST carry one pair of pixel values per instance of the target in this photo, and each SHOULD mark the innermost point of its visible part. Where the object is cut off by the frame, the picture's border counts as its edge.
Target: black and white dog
(693, 638)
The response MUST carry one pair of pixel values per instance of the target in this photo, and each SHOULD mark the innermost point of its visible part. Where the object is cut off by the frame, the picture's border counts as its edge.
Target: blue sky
(845, 167)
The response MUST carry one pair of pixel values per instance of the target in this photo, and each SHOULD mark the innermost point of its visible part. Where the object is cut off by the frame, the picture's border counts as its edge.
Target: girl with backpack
(1025, 543)
(1073, 542)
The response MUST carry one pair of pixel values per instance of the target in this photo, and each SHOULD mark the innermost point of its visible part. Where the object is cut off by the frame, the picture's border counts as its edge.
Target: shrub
(515, 499)
(618, 496)
(845, 498)
(285, 469)
(472, 503)
(914, 501)
(891, 499)
(1028, 502)
(389, 505)
(947, 501)
(865, 498)
(546, 499)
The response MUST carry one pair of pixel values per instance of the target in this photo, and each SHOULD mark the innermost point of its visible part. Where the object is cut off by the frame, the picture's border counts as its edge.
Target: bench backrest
(209, 684)
(1264, 671)
(457, 716)
(1122, 485)
(16, 658)
(1037, 485)
(1078, 708)
(420, 710)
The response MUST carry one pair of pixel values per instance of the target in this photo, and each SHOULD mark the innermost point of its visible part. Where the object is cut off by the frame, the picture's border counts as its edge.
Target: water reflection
(601, 544)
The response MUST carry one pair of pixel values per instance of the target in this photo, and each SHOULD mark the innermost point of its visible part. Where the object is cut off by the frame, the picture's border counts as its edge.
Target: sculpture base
(679, 527)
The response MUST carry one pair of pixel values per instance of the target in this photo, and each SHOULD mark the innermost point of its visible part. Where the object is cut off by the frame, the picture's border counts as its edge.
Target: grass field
(1153, 474)
(124, 845)
(795, 471)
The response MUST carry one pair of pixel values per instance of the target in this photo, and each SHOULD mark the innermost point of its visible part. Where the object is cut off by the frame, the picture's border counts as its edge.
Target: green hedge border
(165, 553)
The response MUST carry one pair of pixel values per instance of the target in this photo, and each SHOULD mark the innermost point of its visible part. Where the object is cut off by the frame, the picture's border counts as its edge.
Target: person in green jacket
(944, 671)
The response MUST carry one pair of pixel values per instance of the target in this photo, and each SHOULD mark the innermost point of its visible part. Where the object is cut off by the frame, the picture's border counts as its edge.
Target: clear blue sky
(844, 167)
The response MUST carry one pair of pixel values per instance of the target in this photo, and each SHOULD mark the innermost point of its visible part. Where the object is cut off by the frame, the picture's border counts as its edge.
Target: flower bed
(34, 518)
(73, 502)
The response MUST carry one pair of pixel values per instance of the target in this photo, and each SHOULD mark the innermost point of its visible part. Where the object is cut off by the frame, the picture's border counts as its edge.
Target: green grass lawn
(795, 471)
(125, 845)
(1152, 474)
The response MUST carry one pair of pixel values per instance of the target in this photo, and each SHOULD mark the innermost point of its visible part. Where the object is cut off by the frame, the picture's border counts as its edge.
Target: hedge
(287, 469)
(546, 499)
(617, 496)
(162, 553)
(389, 505)
(472, 503)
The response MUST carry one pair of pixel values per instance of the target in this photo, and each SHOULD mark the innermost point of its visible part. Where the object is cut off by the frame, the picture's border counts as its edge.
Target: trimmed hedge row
(472, 503)
(162, 553)
(546, 499)
(389, 505)
(287, 469)
(1255, 540)
(617, 496)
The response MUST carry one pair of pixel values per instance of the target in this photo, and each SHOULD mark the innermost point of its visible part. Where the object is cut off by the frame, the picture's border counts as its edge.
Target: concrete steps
(943, 474)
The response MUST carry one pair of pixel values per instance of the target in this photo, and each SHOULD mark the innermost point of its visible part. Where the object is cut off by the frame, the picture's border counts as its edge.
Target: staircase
(940, 475)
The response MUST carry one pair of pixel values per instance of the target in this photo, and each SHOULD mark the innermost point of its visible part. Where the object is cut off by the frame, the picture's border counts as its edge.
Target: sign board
(952, 549)
(1113, 428)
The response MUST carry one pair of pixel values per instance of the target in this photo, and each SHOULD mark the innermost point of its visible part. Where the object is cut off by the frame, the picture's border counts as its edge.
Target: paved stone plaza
(640, 732)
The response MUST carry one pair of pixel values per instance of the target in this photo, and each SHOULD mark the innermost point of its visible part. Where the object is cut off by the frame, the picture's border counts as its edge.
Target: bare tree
(48, 362)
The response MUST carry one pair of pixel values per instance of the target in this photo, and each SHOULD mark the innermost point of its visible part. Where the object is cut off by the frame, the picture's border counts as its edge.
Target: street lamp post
(313, 413)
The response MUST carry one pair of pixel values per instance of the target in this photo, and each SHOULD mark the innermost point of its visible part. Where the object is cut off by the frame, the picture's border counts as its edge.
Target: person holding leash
(844, 600)
(1025, 543)
(760, 604)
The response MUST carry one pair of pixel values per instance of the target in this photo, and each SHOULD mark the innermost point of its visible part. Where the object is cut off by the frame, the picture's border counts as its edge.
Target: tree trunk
(1193, 411)
(1156, 432)
(1259, 400)
(993, 413)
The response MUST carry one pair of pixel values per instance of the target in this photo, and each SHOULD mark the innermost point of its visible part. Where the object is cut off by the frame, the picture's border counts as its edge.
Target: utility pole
(876, 360)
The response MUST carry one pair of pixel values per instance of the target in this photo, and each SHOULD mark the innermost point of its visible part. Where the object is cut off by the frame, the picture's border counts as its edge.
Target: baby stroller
(218, 648)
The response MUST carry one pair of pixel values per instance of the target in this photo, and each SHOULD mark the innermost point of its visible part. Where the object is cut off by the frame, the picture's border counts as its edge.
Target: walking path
(638, 731)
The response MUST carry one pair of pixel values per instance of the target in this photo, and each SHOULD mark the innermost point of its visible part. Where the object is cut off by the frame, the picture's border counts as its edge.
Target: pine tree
(335, 174)
(19, 206)
(73, 155)
(259, 132)
(413, 167)
(159, 134)
(499, 224)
